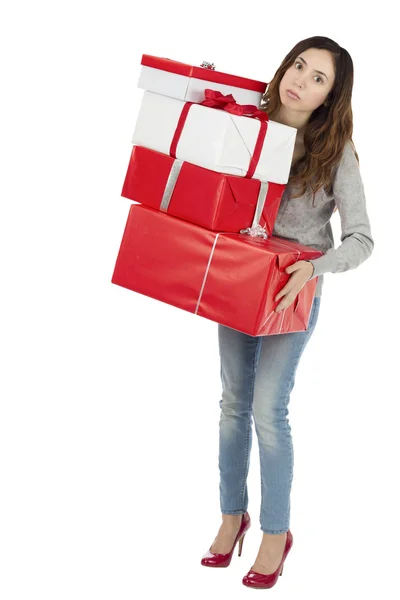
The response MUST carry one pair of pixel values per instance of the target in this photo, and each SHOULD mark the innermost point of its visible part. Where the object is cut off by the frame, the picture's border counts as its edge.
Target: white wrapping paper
(215, 139)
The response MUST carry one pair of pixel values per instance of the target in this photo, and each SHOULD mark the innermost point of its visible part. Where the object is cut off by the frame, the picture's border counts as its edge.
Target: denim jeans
(257, 375)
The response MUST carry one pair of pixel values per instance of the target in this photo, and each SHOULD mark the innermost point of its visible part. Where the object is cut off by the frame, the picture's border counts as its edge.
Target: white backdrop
(109, 402)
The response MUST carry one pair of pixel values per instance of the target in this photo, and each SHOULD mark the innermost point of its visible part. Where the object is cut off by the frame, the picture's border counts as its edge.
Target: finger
(286, 289)
(281, 306)
(286, 302)
(289, 285)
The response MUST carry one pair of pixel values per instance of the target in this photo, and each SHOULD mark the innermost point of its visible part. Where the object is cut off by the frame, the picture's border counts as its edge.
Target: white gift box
(185, 82)
(215, 139)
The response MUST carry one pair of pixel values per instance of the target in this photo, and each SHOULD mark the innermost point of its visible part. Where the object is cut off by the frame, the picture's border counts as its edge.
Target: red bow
(215, 99)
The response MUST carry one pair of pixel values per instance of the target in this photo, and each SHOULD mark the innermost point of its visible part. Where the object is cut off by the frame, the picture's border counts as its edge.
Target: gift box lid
(173, 66)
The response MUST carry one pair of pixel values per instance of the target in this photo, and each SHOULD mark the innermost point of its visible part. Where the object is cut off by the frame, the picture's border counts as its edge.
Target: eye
(299, 63)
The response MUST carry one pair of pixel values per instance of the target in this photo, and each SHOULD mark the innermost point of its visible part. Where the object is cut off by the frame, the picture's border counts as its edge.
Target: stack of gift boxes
(207, 171)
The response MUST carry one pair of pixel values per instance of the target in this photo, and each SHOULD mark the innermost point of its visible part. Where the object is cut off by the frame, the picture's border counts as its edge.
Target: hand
(301, 273)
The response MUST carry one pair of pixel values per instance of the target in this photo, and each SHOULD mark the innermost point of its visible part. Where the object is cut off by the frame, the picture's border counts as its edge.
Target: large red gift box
(212, 200)
(229, 278)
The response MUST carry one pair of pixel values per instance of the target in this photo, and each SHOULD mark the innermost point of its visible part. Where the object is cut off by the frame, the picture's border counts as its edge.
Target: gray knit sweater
(300, 221)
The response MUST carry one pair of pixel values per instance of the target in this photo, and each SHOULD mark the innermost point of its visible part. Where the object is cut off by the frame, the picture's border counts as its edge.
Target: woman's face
(311, 77)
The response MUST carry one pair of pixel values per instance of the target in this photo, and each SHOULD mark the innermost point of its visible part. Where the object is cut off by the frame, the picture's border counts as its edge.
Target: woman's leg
(239, 354)
(274, 380)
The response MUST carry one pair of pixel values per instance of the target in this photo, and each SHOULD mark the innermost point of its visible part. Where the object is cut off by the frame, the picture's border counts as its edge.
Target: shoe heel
(240, 545)
(281, 571)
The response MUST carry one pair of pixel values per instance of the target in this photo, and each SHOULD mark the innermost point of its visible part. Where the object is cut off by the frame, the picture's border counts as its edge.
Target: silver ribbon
(169, 188)
(206, 273)
(256, 230)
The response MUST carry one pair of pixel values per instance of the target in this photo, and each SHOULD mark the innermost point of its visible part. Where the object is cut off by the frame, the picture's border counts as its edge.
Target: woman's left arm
(357, 243)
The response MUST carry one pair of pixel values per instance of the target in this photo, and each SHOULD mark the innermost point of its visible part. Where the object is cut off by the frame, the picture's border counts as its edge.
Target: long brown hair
(330, 125)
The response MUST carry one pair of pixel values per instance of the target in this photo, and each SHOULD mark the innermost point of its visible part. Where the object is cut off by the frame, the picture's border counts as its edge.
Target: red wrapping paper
(206, 198)
(228, 278)
(173, 66)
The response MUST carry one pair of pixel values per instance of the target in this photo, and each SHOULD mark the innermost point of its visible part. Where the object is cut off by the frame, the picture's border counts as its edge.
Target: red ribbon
(214, 99)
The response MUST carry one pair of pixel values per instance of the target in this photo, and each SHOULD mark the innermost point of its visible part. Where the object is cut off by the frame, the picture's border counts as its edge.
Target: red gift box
(212, 200)
(179, 68)
(229, 278)
(186, 82)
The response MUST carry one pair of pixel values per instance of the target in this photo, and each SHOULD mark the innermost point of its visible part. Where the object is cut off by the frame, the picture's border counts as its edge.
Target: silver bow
(208, 65)
(255, 231)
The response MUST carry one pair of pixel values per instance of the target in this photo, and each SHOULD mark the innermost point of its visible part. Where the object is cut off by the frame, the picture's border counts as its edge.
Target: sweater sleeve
(357, 243)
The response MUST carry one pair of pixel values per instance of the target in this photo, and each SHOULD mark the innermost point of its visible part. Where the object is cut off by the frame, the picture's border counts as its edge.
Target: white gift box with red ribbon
(215, 139)
(187, 82)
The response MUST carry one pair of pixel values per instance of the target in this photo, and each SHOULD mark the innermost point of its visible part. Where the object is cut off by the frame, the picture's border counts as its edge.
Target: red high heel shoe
(258, 580)
(223, 560)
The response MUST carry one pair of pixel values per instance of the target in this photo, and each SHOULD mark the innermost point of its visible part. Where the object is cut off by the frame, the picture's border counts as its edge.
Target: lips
(294, 93)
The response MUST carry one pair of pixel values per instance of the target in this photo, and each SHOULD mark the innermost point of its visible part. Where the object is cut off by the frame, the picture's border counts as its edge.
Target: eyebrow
(314, 69)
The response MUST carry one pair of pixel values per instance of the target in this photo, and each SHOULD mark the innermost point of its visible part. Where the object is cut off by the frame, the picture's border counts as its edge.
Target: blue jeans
(258, 374)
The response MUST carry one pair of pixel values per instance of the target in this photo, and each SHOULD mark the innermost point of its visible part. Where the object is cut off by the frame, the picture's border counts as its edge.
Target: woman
(310, 91)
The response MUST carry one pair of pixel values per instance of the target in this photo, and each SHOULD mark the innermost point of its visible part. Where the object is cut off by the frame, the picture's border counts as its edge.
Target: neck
(292, 118)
